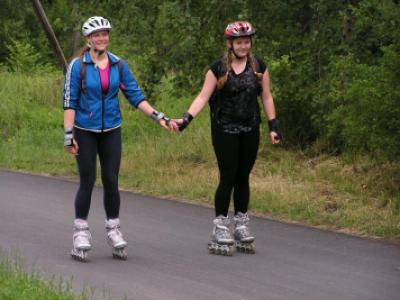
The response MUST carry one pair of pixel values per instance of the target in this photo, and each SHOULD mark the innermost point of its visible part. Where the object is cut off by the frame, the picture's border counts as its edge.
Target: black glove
(68, 137)
(187, 118)
(273, 126)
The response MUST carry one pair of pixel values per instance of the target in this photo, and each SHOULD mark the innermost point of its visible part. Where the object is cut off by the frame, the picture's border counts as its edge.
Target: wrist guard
(273, 126)
(68, 137)
(187, 118)
(158, 116)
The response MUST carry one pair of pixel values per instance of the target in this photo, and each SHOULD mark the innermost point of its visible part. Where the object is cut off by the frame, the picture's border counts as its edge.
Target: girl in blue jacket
(92, 122)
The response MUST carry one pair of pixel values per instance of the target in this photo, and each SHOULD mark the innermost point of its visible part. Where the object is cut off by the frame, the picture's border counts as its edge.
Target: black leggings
(236, 155)
(108, 146)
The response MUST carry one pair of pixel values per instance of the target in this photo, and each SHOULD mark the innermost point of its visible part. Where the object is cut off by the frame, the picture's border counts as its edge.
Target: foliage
(25, 59)
(333, 64)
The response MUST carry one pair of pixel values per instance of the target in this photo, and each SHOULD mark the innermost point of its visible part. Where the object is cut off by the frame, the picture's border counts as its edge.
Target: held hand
(72, 149)
(163, 123)
(169, 124)
(173, 125)
(178, 123)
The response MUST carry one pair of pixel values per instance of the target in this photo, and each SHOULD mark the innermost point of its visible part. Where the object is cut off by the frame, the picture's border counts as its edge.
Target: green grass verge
(17, 284)
(355, 195)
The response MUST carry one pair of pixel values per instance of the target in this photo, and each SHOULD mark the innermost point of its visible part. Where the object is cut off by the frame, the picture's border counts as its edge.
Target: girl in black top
(232, 86)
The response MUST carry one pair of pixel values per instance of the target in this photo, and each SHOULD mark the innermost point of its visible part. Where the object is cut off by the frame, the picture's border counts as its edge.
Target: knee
(242, 179)
(227, 180)
(110, 181)
(87, 180)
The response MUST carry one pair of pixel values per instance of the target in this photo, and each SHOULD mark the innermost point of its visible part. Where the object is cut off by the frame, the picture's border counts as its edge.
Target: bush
(358, 108)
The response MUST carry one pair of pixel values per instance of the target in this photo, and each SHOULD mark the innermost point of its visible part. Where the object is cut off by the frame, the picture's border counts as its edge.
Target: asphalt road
(167, 250)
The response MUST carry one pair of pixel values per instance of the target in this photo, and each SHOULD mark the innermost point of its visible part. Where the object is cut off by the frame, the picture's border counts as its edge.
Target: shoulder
(262, 67)
(74, 66)
(217, 67)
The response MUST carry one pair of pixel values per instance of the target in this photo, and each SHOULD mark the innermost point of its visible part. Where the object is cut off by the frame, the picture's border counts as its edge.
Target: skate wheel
(249, 248)
(81, 255)
(120, 254)
(225, 250)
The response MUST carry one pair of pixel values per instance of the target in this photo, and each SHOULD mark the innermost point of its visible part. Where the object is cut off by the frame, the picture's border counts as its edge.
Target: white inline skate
(244, 241)
(115, 239)
(81, 240)
(221, 241)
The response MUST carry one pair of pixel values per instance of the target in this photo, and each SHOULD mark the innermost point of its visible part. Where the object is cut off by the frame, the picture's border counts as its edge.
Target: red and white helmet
(239, 29)
(94, 24)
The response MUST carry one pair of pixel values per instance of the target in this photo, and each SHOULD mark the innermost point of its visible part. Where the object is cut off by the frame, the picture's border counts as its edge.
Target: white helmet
(94, 24)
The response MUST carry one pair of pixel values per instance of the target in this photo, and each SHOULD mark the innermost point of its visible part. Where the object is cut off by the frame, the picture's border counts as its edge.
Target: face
(241, 46)
(99, 40)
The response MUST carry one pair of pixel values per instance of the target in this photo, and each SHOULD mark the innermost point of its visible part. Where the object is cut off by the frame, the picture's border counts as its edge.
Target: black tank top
(235, 108)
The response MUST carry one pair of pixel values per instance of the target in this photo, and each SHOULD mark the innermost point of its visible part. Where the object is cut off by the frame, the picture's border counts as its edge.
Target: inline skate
(244, 241)
(115, 239)
(81, 240)
(221, 241)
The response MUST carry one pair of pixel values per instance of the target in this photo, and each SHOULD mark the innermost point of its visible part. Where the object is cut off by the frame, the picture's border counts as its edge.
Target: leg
(110, 160)
(248, 148)
(226, 149)
(249, 143)
(86, 161)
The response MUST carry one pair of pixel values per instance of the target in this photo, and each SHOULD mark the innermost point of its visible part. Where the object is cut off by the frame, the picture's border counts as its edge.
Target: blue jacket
(95, 111)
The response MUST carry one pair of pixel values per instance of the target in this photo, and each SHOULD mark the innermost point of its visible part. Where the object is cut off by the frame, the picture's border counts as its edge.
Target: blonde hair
(83, 50)
(227, 65)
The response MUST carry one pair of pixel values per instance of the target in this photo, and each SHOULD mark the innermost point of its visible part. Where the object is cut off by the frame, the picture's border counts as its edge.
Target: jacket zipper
(102, 111)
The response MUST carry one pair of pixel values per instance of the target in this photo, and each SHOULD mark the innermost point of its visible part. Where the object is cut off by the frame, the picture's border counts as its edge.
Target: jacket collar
(112, 57)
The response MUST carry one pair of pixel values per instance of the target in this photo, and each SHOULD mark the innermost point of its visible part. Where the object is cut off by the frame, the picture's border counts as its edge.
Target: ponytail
(83, 50)
(227, 65)
(252, 60)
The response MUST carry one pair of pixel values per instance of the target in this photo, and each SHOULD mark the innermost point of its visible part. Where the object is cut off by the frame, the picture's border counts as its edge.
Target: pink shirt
(105, 78)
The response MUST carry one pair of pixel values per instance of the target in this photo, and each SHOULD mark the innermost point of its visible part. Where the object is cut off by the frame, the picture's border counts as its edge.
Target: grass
(349, 193)
(17, 284)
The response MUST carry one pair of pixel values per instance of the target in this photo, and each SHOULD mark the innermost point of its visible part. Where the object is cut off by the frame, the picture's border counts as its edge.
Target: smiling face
(99, 40)
(241, 46)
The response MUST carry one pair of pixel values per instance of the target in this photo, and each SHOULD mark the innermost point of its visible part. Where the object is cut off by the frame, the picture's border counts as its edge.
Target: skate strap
(82, 233)
(241, 227)
(223, 227)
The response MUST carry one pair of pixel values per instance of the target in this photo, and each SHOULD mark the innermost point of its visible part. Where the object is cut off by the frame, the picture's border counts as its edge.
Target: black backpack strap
(121, 85)
(83, 75)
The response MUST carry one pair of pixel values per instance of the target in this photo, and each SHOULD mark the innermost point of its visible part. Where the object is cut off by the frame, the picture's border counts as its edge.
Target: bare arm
(69, 118)
(267, 99)
(268, 103)
(148, 110)
(209, 85)
(210, 82)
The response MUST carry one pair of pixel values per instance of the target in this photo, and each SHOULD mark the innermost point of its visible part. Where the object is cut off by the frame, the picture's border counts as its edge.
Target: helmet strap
(99, 52)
